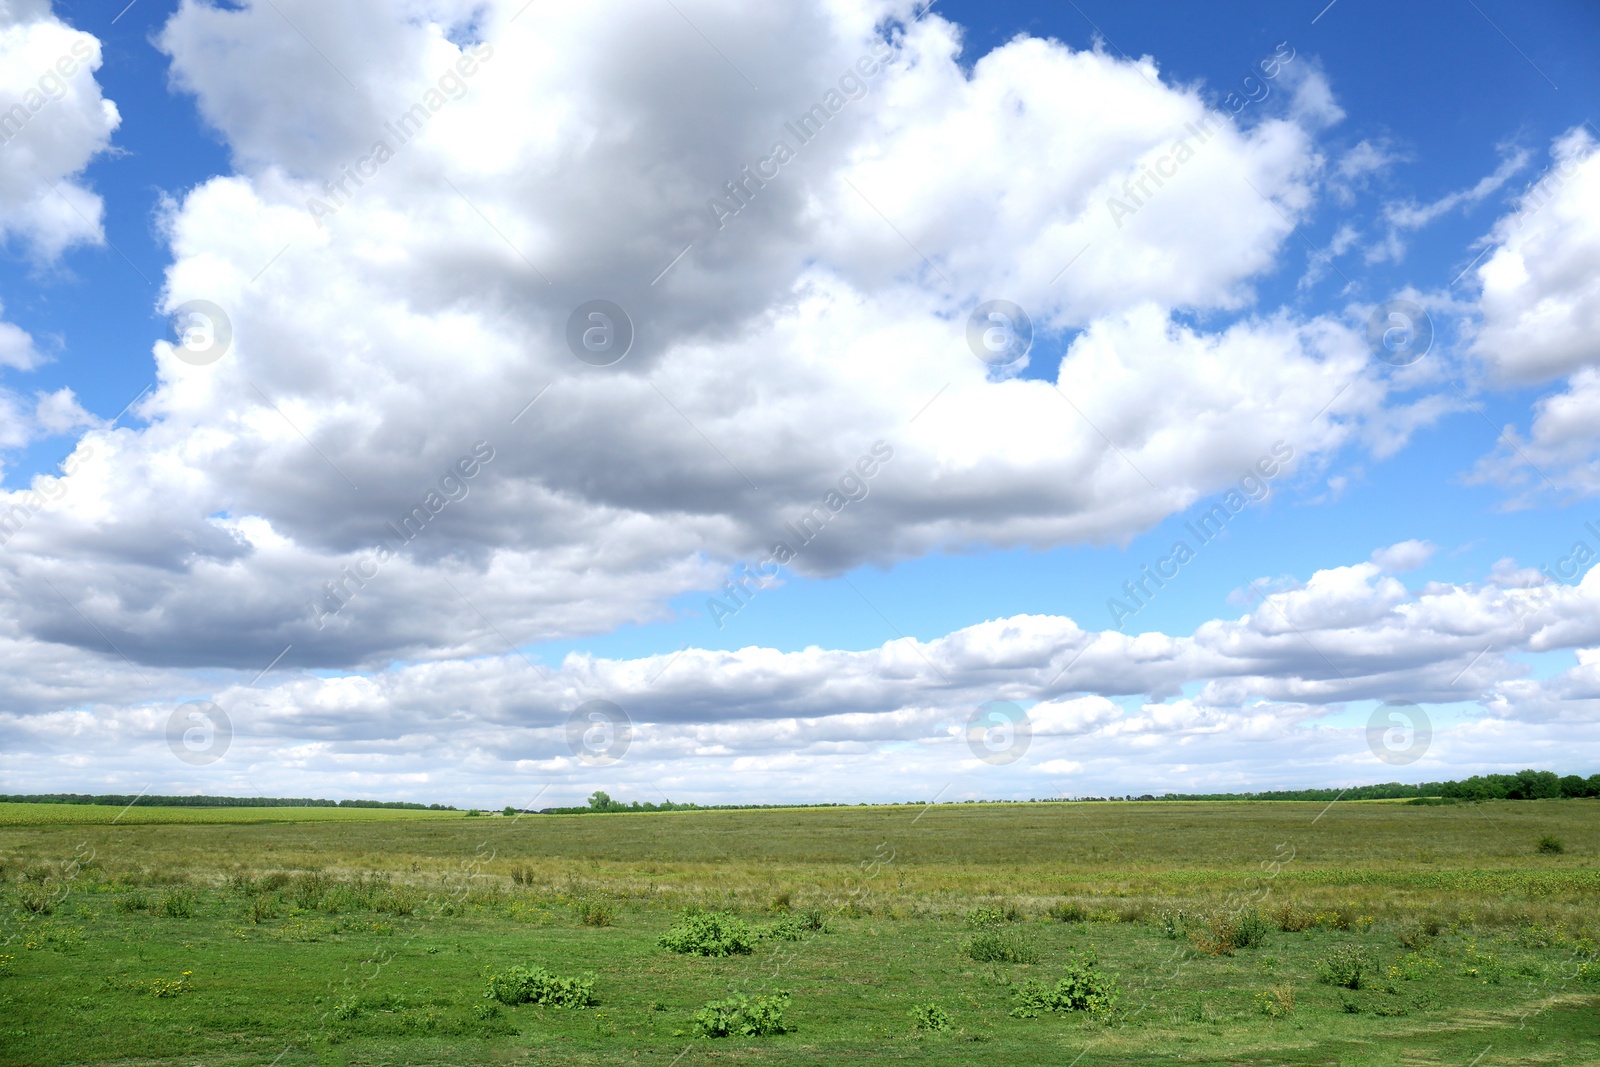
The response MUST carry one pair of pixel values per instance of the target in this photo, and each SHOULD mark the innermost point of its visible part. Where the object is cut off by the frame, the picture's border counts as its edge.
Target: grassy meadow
(1009, 934)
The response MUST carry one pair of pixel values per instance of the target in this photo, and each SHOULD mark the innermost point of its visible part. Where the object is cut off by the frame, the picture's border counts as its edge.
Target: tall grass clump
(1000, 946)
(1221, 933)
(1343, 967)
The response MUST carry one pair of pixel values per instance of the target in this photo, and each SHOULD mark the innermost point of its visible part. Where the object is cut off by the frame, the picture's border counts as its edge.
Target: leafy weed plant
(709, 933)
(741, 1016)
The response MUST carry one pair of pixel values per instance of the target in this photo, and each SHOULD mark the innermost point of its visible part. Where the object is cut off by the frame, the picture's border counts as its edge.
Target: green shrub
(1551, 845)
(263, 907)
(1249, 928)
(395, 901)
(985, 918)
(1292, 918)
(1069, 911)
(740, 1016)
(177, 904)
(306, 891)
(930, 1018)
(1171, 921)
(37, 897)
(1417, 936)
(1000, 946)
(788, 928)
(134, 901)
(523, 985)
(811, 921)
(1277, 1001)
(1083, 988)
(708, 933)
(1484, 966)
(595, 912)
(1343, 966)
(1222, 932)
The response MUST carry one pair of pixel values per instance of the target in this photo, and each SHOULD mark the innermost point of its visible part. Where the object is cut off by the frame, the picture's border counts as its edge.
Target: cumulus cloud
(1541, 280)
(393, 308)
(16, 348)
(1405, 556)
(1296, 672)
(1540, 319)
(53, 121)
(397, 468)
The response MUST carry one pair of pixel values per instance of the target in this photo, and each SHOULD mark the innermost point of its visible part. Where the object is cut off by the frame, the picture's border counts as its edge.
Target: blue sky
(1387, 162)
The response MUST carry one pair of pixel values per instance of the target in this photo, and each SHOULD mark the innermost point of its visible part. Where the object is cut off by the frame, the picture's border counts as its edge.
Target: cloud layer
(1285, 686)
(373, 451)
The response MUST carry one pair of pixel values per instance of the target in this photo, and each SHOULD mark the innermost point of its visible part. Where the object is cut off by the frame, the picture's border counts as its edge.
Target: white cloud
(431, 307)
(1407, 215)
(821, 723)
(1404, 556)
(53, 121)
(376, 345)
(1540, 309)
(1356, 167)
(17, 349)
(1541, 283)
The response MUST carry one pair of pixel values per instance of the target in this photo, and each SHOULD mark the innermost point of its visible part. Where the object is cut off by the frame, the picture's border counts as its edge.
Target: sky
(488, 403)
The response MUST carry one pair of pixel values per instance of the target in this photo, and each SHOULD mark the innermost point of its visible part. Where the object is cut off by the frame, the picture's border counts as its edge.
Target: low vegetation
(714, 933)
(535, 985)
(971, 934)
(741, 1016)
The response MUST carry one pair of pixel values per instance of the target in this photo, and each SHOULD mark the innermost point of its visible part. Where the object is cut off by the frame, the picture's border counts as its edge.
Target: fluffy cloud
(1405, 556)
(1541, 282)
(1107, 710)
(53, 120)
(398, 285)
(1540, 309)
(423, 195)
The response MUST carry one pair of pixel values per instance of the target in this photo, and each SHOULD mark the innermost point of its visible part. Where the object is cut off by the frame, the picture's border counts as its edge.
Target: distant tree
(600, 800)
(1535, 785)
(509, 810)
(1574, 786)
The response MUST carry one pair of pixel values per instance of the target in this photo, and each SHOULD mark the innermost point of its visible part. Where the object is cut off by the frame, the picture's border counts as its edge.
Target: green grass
(1469, 935)
(12, 814)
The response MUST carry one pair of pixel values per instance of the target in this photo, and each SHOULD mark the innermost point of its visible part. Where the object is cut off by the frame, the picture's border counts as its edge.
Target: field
(1195, 933)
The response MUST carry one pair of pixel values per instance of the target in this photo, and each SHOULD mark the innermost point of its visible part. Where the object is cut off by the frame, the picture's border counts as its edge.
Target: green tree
(600, 800)
(1536, 785)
